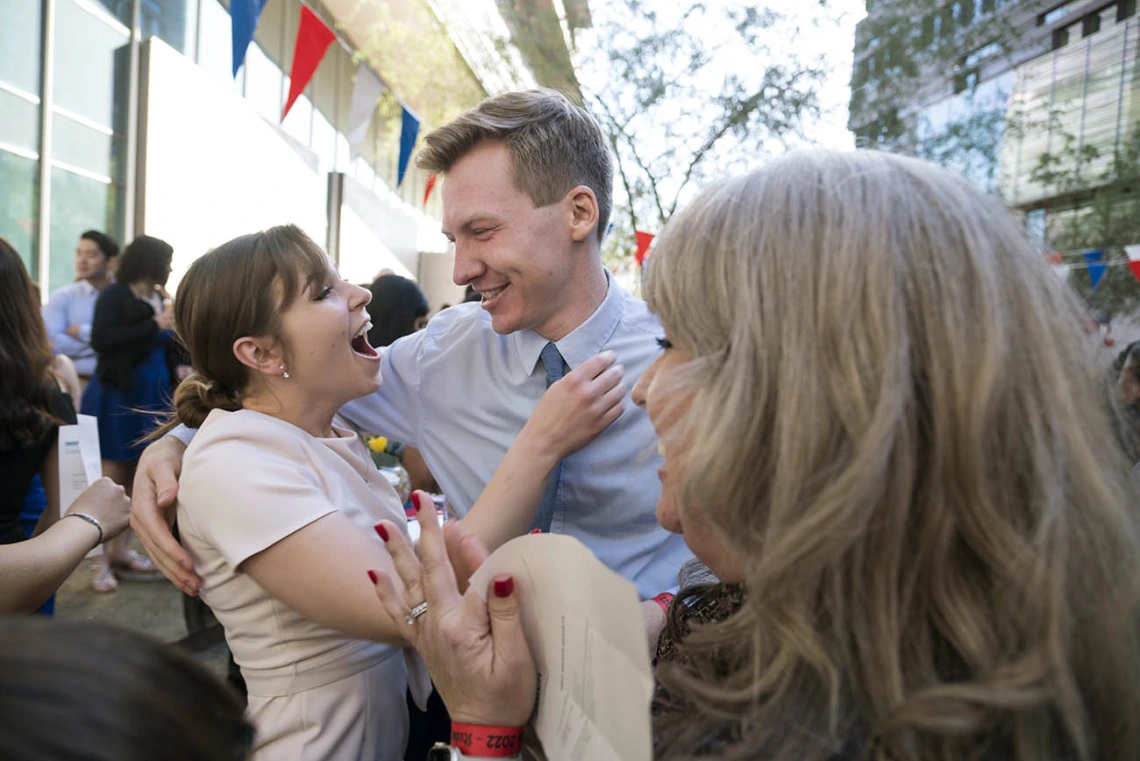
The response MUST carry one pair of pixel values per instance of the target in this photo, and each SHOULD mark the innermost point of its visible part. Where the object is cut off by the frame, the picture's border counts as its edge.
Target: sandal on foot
(135, 567)
(102, 578)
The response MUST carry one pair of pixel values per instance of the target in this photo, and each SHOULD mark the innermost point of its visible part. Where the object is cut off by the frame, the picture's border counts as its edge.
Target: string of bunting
(1094, 263)
(313, 40)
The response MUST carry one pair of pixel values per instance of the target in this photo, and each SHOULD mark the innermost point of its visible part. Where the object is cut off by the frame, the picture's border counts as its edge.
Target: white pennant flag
(1133, 252)
(1062, 271)
(365, 92)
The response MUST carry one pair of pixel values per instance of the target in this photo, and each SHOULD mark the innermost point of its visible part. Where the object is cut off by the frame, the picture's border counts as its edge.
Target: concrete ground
(153, 607)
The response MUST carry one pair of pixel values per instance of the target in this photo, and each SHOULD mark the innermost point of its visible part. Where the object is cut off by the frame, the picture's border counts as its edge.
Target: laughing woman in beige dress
(277, 503)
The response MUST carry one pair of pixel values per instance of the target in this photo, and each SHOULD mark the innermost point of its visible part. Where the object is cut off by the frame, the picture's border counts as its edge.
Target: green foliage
(688, 93)
(1103, 213)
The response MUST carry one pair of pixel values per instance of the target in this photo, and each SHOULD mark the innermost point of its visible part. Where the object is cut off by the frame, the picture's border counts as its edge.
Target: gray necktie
(555, 369)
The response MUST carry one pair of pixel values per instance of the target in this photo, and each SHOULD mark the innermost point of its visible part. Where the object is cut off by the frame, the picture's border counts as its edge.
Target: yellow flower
(378, 443)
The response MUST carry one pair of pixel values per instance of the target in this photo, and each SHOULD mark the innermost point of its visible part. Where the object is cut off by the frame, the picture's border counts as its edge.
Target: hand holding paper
(476, 651)
(580, 621)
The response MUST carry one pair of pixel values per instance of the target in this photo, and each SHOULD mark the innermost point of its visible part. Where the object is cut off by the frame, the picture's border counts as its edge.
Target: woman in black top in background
(133, 334)
(32, 407)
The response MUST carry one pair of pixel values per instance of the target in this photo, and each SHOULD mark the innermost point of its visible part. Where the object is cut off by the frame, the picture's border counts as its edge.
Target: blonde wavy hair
(896, 425)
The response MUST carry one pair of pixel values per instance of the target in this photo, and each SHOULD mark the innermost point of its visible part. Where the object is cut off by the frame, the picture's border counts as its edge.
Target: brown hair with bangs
(25, 356)
(238, 289)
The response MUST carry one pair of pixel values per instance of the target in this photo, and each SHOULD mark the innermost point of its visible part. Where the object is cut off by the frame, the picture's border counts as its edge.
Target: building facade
(1012, 93)
(125, 116)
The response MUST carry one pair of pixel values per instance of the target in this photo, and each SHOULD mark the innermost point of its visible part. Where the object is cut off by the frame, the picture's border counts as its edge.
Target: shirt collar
(86, 288)
(583, 342)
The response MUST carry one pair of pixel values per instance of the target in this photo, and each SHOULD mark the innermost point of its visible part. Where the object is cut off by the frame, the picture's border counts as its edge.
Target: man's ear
(260, 354)
(583, 206)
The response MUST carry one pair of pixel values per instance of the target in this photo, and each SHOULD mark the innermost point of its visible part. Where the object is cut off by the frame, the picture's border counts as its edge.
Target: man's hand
(152, 511)
(73, 331)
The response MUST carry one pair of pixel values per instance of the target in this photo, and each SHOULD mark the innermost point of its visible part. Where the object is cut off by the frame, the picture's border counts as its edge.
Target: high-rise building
(994, 87)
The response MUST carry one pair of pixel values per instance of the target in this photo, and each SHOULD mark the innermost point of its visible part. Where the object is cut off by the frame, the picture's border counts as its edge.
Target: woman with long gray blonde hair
(883, 433)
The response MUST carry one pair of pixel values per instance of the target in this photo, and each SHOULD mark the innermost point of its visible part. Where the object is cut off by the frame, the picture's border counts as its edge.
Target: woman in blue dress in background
(133, 334)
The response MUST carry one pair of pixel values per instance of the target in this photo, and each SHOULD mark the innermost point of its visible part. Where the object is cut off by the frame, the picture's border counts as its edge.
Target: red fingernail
(504, 587)
(383, 532)
(536, 531)
(372, 576)
(415, 502)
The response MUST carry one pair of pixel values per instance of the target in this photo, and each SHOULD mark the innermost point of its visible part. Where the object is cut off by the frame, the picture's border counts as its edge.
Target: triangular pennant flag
(1062, 271)
(1133, 252)
(243, 20)
(1054, 258)
(313, 40)
(643, 241)
(409, 129)
(1096, 266)
(366, 91)
(430, 186)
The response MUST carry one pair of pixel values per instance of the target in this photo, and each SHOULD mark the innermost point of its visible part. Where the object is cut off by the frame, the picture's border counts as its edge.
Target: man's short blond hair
(554, 144)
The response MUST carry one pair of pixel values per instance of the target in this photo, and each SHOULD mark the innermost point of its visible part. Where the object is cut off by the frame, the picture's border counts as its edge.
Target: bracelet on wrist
(481, 741)
(665, 599)
(90, 519)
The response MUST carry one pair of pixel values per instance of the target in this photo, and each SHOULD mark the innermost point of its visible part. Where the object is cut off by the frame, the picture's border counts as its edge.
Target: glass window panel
(298, 124)
(85, 69)
(215, 42)
(81, 146)
(120, 9)
(263, 84)
(271, 32)
(78, 203)
(20, 123)
(20, 41)
(172, 21)
(343, 161)
(324, 141)
(19, 193)
(1058, 13)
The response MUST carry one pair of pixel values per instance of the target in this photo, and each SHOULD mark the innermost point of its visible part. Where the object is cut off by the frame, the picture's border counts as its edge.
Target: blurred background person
(80, 690)
(71, 309)
(33, 404)
(399, 308)
(1125, 380)
(132, 332)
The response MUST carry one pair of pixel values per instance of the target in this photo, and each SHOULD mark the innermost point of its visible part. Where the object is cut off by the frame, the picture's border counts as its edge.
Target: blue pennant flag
(408, 133)
(244, 14)
(1096, 266)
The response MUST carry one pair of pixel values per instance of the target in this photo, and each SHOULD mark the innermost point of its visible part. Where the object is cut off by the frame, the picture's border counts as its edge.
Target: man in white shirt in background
(70, 309)
(526, 197)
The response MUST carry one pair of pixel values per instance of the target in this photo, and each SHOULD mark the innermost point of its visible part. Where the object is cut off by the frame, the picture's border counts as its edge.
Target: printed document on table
(584, 628)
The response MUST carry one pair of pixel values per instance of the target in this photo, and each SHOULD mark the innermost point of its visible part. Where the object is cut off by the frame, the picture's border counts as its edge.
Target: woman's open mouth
(360, 343)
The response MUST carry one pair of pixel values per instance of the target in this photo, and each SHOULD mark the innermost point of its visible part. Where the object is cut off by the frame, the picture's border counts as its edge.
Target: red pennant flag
(643, 241)
(430, 187)
(1054, 258)
(313, 40)
(1135, 267)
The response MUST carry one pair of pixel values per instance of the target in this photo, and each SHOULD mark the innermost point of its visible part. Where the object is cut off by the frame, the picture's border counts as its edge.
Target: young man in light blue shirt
(526, 197)
(70, 309)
